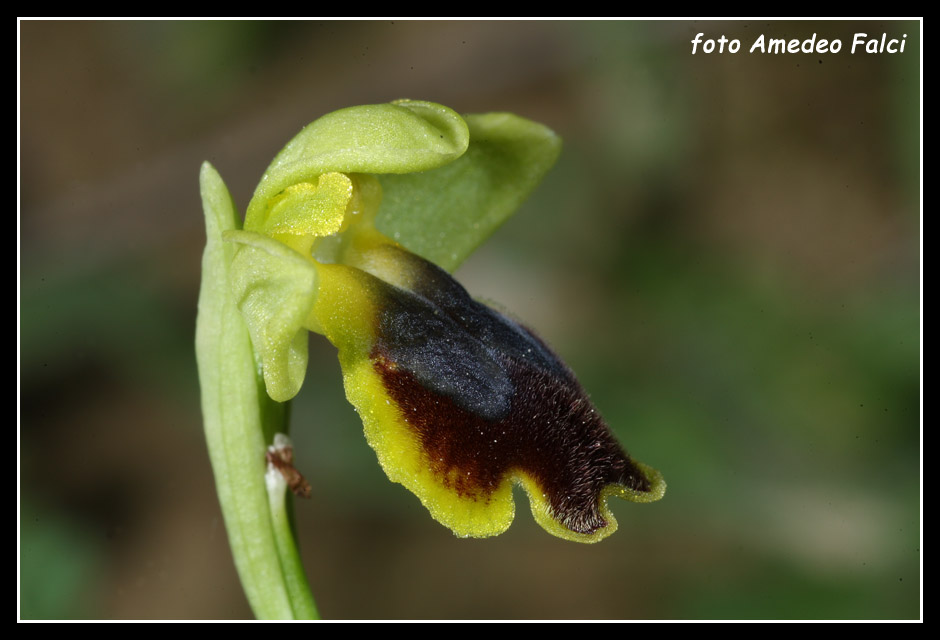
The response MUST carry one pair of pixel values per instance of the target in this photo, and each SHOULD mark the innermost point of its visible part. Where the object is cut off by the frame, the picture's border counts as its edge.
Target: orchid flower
(352, 234)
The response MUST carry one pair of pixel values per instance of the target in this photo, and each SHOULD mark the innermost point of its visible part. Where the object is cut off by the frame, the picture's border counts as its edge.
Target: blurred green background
(727, 254)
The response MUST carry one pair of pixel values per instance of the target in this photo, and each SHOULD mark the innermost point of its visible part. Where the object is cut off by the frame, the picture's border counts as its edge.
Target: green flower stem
(240, 419)
(298, 590)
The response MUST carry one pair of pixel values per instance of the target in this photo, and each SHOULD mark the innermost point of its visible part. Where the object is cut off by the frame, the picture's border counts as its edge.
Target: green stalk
(297, 588)
(240, 419)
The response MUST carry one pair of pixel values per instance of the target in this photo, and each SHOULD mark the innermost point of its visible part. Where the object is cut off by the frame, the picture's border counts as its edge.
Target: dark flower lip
(459, 401)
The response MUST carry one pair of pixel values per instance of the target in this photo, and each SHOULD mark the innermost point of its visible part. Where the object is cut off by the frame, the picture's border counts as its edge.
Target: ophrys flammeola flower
(352, 234)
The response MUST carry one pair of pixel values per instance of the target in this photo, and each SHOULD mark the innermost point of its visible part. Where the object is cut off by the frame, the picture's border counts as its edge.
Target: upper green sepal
(448, 181)
(401, 137)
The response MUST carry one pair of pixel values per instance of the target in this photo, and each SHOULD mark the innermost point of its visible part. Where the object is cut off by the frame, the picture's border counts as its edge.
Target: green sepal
(236, 413)
(400, 137)
(444, 214)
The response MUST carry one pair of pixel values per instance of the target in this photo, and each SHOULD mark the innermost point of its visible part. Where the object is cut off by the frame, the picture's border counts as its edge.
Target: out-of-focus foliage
(58, 561)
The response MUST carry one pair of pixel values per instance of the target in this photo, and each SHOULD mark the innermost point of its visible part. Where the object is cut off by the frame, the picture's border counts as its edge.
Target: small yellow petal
(306, 211)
